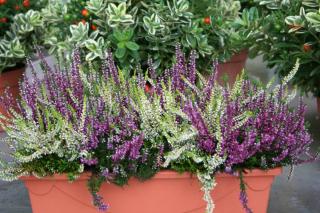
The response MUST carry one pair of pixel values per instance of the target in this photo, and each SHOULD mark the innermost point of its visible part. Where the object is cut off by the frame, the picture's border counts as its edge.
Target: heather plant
(273, 135)
(64, 125)
(253, 123)
(77, 120)
(87, 119)
(238, 128)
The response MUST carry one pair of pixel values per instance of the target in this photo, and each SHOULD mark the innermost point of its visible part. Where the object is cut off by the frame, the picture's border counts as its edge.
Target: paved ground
(299, 195)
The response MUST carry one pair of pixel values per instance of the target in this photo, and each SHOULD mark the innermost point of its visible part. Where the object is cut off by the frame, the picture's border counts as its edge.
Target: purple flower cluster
(130, 148)
(98, 201)
(205, 139)
(274, 132)
(114, 143)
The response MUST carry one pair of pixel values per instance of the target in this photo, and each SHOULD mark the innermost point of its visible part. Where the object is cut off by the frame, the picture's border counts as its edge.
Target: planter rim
(238, 57)
(11, 78)
(165, 174)
(19, 66)
(13, 70)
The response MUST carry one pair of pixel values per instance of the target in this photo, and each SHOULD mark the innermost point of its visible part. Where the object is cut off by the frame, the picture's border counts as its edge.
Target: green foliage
(139, 30)
(289, 30)
(64, 27)
(53, 164)
(10, 8)
(21, 27)
(19, 41)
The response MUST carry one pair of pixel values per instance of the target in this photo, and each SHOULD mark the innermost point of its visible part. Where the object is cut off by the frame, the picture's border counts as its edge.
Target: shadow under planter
(232, 68)
(166, 192)
(10, 80)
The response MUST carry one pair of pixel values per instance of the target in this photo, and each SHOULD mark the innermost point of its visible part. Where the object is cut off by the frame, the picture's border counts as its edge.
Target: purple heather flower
(112, 68)
(273, 127)
(107, 174)
(192, 70)
(104, 68)
(89, 162)
(205, 140)
(130, 148)
(151, 69)
(98, 201)
(244, 201)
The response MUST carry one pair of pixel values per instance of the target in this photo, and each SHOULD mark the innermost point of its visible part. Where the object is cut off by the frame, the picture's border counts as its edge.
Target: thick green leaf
(132, 46)
(120, 53)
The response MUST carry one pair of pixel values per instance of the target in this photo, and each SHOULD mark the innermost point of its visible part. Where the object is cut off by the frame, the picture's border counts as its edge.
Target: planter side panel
(156, 196)
(167, 192)
(226, 194)
(60, 196)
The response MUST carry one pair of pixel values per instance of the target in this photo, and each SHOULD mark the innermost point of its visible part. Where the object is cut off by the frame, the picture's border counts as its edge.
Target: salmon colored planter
(233, 67)
(167, 192)
(10, 79)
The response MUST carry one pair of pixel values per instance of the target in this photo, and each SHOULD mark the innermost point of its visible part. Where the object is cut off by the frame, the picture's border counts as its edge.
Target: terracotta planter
(167, 192)
(233, 67)
(10, 79)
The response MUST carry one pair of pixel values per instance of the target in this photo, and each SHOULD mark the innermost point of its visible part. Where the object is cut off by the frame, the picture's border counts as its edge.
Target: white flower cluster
(29, 141)
(151, 114)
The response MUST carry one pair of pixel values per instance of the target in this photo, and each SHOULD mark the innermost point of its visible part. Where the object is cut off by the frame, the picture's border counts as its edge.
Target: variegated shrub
(19, 41)
(139, 30)
(21, 27)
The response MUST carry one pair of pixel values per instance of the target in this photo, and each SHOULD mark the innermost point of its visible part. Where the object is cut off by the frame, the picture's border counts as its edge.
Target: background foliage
(21, 27)
(289, 29)
(139, 30)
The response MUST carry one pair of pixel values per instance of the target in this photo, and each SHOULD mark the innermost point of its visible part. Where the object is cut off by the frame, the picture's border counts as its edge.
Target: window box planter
(168, 192)
(10, 79)
(233, 67)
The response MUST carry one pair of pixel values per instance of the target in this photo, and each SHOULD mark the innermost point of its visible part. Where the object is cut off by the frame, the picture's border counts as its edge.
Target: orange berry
(148, 88)
(94, 27)
(85, 12)
(26, 3)
(207, 20)
(17, 7)
(3, 20)
(3, 2)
